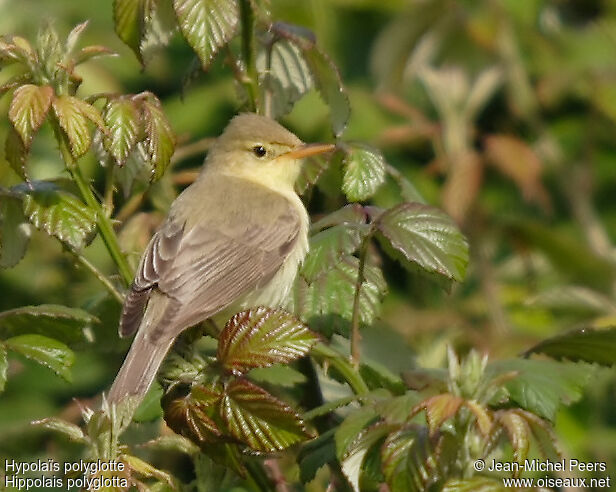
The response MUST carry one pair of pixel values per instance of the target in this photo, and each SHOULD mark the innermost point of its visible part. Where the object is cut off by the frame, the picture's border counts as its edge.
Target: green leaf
(326, 303)
(15, 153)
(351, 427)
(160, 139)
(14, 231)
(59, 322)
(424, 236)
(329, 84)
(149, 409)
(46, 351)
(72, 431)
(207, 25)
(588, 345)
(398, 452)
(328, 247)
(192, 415)
(4, 366)
(121, 116)
(312, 169)
(364, 172)
(73, 115)
(353, 460)
(258, 419)
(475, 484)
(278, 374)
(173, 442)
(128, 21)
(541, 386)
(28, 110)
(262, 337)
(287, 79)
(316, 454)
(58, 213)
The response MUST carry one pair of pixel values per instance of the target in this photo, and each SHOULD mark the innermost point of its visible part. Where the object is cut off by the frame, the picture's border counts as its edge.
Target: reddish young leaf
(262, 337)
(259, 420)
(518, 431)
(160, 139)
(438, 409)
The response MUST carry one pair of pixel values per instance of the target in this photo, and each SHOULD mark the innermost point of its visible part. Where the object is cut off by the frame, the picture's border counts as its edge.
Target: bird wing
(206, 267)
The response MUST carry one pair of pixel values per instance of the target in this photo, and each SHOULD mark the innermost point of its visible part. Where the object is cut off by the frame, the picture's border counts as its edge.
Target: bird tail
(139, 369)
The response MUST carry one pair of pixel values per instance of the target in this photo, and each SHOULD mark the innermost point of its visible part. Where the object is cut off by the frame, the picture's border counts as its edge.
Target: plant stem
(355, 334)
(346, 370)
(250, 78)
(99, 275)
(104, 225)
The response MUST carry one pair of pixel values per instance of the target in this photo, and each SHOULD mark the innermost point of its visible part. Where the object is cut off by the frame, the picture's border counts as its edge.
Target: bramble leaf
(73, 115)
(44, 350)
(15, 153)
(588, 345)
(128, 20)
(14, 231)
(262, 337)
(258, 419)
(326, 303)
(160, 139)
(439, 408)
(58, 213)
(541, 386)
(121, 116)
(207, 25)
(72, 431)
(60, 322)
(28, 110)
(424, 236)
(518, 432)
(364, 172)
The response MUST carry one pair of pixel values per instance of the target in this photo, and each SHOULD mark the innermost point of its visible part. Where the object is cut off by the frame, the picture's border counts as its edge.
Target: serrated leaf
(518, 432)
(364, 172)
(72, 431)
(128, 21)
(354, 457)
(588, 345)
(14, 232)
(328, 247)
(44, 350)
(482, 417)
(396, 451)
(286, 79)
(160, 139)
(59, 322)
(542, 386)
(351, 214)
(191, 415)
(351, 428)
(59, 213)
(73, 115)
(173, 442)
(90, 52)
(326, 303)
(544, 435)
(259, 420)
(475, 484)
(424, 236)
(15, 153)
(143, 468)
(4, 366)
(28, 110)
(312, 169)
(122, 118)
(262, 337)
(329, 84)
(207, 25)
(439, 408)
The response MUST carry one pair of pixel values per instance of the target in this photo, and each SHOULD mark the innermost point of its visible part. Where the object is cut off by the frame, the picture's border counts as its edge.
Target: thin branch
(98, 274)
(250, 79)
(342, 365)
(104, 224)
(355, 334)
(195, 148)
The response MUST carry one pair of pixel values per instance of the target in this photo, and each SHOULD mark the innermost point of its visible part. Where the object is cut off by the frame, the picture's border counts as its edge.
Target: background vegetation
(501, 112)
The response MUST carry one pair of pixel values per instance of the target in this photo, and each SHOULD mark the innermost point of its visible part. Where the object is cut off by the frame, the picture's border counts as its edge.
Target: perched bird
(233, 239)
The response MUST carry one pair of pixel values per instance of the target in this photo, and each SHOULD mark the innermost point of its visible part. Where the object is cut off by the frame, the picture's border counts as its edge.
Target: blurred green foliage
(503, 112)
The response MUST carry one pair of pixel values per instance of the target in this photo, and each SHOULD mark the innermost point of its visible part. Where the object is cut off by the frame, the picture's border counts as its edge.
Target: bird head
(258, 148)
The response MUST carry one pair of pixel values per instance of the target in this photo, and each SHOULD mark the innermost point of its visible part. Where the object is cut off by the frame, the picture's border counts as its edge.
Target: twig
(98, 274)
(355, 334)
(250, 79)
(195, 148)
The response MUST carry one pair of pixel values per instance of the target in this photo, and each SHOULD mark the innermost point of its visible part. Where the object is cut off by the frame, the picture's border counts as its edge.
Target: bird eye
(259, 150)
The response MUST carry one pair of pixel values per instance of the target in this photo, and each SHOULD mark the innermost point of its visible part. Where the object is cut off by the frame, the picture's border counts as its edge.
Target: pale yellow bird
(233, 239)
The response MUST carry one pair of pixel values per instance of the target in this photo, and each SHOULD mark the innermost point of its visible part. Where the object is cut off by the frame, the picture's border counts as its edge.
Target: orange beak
(307, 150)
